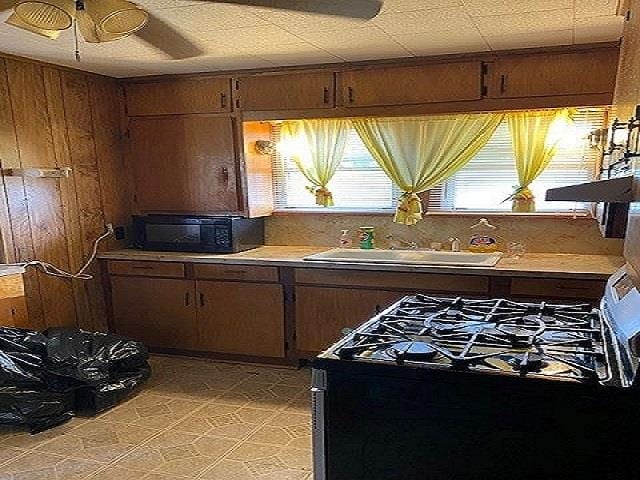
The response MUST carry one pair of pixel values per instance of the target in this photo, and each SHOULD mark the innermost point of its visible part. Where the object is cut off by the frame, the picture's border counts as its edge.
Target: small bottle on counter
(366, 236)
(345, 240)
(483, 238)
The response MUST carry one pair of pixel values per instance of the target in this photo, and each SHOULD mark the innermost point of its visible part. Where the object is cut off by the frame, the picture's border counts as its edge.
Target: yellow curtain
(317, 148)
(418, 153)
(535, 135)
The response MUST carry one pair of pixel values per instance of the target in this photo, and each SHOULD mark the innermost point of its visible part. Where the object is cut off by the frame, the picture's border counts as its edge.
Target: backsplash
(538, 234)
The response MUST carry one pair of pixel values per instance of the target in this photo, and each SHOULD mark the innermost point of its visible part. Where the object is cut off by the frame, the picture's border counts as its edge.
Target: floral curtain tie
(324, 197)
(409, 210)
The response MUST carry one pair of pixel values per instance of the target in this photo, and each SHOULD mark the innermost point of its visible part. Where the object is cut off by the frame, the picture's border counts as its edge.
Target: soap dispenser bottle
(345, 239)
(483, 237)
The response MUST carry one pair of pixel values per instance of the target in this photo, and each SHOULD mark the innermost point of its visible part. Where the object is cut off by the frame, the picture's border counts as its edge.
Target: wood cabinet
(323, 312)
(587, 72)
(241, 318)
(159, 312)
(557, 288)
(179, 96)
(13, 306)
(184, 164)
(292, 91)
(440, 82)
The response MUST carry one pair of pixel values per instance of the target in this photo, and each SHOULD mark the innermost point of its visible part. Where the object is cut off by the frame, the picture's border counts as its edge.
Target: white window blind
(482, 185)
(359, 183)
(490, 176)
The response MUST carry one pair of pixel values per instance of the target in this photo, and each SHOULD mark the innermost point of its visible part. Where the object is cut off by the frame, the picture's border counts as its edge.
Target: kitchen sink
(409, 257)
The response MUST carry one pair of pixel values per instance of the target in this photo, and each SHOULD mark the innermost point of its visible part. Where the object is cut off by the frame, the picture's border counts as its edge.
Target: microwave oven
(181, 233)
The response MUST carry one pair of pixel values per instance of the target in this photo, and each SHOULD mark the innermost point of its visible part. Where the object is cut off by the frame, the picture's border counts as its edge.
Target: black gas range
(451, 388)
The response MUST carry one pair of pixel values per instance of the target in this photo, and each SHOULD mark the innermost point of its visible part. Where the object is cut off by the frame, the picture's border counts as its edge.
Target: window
(481, 185)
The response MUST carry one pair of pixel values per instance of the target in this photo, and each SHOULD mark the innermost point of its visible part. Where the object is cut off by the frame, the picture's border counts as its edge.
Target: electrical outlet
(120, 233)
(109, 227)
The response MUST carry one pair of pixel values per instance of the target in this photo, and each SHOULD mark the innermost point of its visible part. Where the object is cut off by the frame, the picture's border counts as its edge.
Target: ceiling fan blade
(6, 4)
(365, 9)
(15, 21)
(164, 37)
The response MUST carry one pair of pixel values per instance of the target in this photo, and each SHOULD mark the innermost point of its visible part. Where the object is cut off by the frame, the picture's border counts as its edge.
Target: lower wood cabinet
(241, 318)
(323, 312)
(159, 312)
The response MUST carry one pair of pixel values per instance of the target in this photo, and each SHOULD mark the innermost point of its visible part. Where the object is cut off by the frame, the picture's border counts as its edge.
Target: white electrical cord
(52, 270)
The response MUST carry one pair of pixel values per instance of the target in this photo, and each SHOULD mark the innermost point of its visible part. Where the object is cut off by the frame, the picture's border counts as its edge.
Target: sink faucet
(397, 244)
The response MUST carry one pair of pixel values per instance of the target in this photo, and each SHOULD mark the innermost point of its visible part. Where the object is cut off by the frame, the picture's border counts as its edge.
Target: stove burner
(528, 362)
(413, 351)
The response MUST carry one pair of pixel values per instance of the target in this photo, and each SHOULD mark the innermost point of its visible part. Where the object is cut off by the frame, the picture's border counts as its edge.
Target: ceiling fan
(101, 21)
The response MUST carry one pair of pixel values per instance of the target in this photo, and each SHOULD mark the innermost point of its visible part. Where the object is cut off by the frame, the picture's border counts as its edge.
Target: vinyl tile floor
(195, 419)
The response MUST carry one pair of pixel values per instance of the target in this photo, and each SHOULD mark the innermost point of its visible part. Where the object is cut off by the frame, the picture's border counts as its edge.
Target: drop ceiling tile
(598, 29)
(530, 40)
(247, 37)
(362, 37)
(483, 8)
(434, 44)
(297, 22)
(210, 17)
(552, 20)
(360, 54)
(295, 54)
(394, 6)
(595, 8)
(445, 21)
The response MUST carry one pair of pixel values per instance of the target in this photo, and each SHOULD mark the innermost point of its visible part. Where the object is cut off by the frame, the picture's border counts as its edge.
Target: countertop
(545, 265)
(6, 270)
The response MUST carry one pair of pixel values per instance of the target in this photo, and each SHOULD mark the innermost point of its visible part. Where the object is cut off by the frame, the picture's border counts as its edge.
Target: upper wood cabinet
(574, 73)
(440, 82)
(291, 91)
(179, 96)
(184, 164)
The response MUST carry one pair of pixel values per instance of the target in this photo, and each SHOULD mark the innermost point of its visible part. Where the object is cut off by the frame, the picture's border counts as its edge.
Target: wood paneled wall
(54, 117)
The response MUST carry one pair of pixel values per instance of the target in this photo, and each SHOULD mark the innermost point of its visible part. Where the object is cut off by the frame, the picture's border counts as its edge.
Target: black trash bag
(109, 367)
(106, 395)
(38, 410)
(22, 358)
(45, 378)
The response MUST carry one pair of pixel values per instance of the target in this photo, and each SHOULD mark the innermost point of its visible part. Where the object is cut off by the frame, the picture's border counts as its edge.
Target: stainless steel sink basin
(409, 257)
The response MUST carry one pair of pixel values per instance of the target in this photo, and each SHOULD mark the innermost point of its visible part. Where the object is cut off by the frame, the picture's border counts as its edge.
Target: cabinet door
(575, 73)
(287, 91)
(194, 95)
(443, 82)
(184, 164)
(322, 313)
(241, 318)
(156, 311)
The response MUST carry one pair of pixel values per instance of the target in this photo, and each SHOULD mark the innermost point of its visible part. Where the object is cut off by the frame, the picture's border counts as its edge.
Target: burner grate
(494, 335)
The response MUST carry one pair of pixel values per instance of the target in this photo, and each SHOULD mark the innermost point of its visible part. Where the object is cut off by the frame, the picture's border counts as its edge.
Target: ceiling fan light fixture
(16, 21)
(116, 17)
(46, 14)
(91, 32)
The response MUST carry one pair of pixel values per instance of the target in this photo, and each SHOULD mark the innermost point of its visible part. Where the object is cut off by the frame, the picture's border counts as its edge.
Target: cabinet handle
(503, 83)
(187, 299)
(225, 175)
(202, 299)
(139, 267)
(325, 97)
(350, 94)
(223, 100)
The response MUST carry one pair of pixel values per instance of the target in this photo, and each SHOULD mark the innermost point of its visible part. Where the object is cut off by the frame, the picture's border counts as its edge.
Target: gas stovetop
(498, 336)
